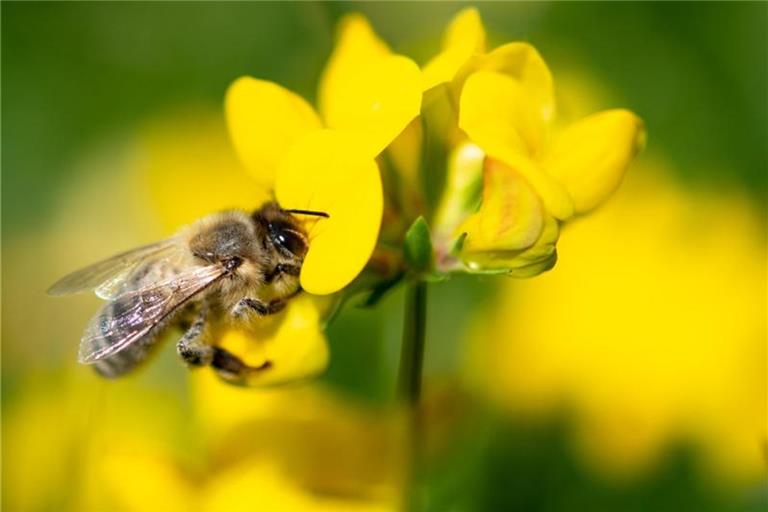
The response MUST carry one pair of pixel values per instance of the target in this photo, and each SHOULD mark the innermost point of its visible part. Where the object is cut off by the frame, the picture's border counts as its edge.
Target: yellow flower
(534, 177)
(651, 331)
(326, 161)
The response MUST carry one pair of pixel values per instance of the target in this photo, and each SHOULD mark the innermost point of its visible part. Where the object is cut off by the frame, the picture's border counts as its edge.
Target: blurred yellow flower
(128, 447)
(313, 435)
(139, 479)
(651, 331)
(326, 162)
(186, 169)
(534, 177)
(300, 448)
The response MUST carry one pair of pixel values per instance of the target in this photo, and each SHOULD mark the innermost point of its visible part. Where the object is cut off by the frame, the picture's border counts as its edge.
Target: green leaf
(417, 247)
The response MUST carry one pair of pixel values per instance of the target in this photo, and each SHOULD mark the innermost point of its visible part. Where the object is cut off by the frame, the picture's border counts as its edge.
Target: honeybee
(230, 265)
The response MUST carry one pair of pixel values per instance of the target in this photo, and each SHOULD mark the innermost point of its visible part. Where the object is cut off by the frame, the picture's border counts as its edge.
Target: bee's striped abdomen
(130, 357)
(129, 313)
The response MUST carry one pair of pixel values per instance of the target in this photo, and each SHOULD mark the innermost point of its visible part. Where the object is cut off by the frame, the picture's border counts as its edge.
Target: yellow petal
(440, 115)
(510, 217)
(523, 63)
(495, 113)
(554, 196)
(333, 172)
(529, 262)
(264, 120)
(293, 343)
(405, 152)
(356, 43)
(464, 37)
(402, 178)
(367, 90)
(591, 156)
(541, 256)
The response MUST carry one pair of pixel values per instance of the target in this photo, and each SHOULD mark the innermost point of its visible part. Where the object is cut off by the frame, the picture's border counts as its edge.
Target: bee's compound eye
(291, 241)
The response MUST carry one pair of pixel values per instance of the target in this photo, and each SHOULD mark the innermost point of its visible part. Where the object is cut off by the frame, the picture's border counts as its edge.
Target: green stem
(412, 355)
(411, 361)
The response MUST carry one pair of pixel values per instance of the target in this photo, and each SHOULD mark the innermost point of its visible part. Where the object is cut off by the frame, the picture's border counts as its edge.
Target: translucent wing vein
(109, 277)
(131, 317)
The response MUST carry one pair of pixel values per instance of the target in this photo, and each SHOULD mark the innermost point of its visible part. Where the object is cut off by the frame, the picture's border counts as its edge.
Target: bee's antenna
(310, 212)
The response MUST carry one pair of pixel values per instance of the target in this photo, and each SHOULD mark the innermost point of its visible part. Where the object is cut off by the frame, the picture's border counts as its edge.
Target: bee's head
(284, 230)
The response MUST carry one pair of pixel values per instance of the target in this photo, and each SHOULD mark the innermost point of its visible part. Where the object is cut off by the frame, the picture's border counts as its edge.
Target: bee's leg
(192, 347)
(280, 268)
(259, 307)
(231, 368)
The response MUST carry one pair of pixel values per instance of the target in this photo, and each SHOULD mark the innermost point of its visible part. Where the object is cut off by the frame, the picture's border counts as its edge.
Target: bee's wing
(132, 316)
(108, 277)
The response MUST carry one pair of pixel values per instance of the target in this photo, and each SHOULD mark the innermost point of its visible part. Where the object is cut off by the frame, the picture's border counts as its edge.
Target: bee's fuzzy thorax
(235, 233)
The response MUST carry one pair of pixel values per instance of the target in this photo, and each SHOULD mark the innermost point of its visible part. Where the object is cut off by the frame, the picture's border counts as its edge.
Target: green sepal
(417, 247)
(457, 245)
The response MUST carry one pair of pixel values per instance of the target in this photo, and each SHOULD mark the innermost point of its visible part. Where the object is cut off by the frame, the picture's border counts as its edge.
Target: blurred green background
(79, 77)
(76, 71)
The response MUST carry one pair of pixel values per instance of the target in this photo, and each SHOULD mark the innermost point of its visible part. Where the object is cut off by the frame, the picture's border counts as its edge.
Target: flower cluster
(326, 161)
(468, 144)
(513, 176)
